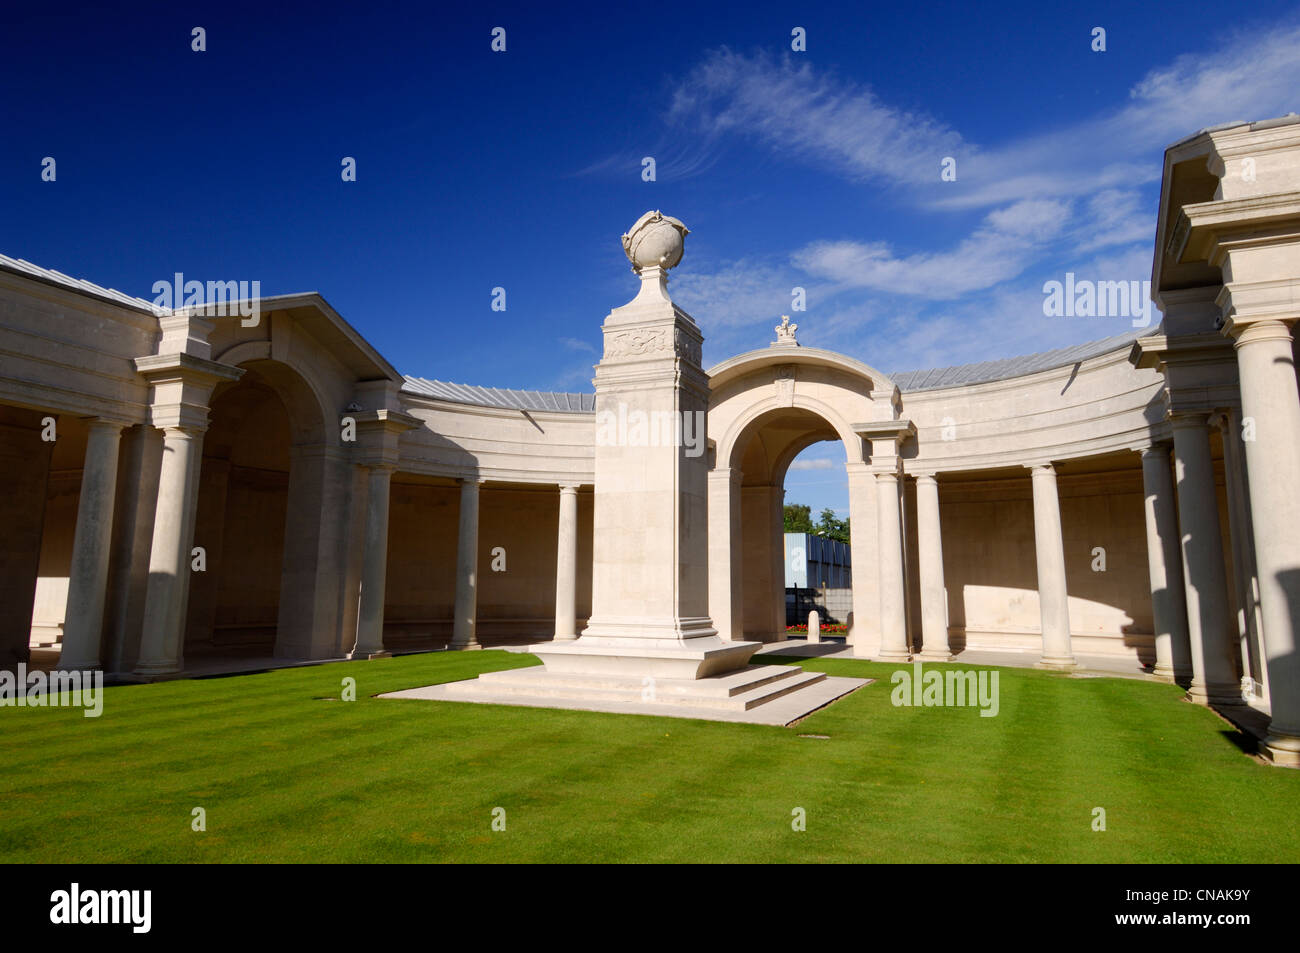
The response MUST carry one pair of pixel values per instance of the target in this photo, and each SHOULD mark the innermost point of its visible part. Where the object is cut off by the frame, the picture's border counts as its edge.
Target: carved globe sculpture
(655, 239)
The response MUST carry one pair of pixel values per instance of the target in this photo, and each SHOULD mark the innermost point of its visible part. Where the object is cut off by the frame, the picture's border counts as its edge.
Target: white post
(814, 626)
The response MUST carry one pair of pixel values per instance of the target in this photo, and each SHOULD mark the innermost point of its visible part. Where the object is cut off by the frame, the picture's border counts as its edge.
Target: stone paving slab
(780, 711)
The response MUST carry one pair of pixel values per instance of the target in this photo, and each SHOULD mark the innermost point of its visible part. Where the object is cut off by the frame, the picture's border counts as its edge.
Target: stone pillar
(893, 607)
(864, 623)
(1049, 547)
(1165, 566)
(1214, 675)
(465, 628)
(776, 559)
(374, 569)
(1270, 402)
(83, 625)
(162, 641)
(1242, 536)
(814, 626)
(934, 596)
(566, 566)
(726, 555)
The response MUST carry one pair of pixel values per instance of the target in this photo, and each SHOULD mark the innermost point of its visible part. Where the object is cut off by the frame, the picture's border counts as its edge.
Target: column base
(76, 665)
(1162, 673)
(463, 646)
(1211, 695)
(156, 669)
(360, 655)
(893, 655)
(938, 655)
(1057, 664)
(1282, 749)
(565, 638)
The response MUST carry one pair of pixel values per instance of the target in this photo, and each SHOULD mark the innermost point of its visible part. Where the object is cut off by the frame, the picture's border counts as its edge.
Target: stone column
(1214, 675)
(1242, 537)
(465, 629)
(1049, 547)
(374, 569)
(566, 566)
(934, 597)
(864, 622)
(726, 556)
(162, 641)
(1270, 402)
(893, 608)
(83, 625)
(1165, 566)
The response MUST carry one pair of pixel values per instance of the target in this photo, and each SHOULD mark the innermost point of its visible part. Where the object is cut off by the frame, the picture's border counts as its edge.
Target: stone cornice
(1201, 226)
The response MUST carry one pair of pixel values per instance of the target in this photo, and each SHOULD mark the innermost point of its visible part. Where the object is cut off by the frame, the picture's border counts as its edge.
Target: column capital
(570, 487)
(1182, 419)
(1254, 332)
(1155, 448)
(925, 476)
(1042, 467)
(105, 423)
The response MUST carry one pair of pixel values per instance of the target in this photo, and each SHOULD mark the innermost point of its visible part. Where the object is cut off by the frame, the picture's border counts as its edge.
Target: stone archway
(765, 408)
(263, 515)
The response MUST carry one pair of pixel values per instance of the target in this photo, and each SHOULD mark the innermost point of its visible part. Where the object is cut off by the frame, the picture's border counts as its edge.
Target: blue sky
(476, 169)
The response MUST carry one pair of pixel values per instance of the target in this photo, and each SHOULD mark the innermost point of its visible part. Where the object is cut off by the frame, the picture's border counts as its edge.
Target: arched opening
(763, 453)
(239, 525)
(817, 552)
(254, 586)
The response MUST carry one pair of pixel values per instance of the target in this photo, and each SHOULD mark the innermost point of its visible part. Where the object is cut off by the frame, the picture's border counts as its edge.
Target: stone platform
(754, 694)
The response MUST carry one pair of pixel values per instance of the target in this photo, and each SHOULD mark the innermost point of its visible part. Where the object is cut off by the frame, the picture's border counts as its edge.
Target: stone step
(740, 691)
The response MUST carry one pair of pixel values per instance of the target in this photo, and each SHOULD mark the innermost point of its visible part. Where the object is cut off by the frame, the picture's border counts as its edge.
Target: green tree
(832, 527)
(798, 518)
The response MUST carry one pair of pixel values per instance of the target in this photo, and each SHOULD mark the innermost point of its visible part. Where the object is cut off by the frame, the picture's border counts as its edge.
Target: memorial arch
(766, 407)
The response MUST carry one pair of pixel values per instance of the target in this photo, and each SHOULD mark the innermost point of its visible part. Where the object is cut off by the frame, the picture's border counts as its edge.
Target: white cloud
(815, 463)
(824, 120)
(818, 116)
(574, 344)
(1003, 245)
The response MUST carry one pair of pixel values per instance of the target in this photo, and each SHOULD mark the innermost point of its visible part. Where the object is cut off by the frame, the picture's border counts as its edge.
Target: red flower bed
(829, 629)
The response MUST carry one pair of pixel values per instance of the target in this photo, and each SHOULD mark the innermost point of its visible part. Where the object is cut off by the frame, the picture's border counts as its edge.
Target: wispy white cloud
(815, 463)
(999, 249)
(575, 344)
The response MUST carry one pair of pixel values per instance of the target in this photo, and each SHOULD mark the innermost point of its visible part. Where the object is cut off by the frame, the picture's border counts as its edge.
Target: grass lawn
(286, 776)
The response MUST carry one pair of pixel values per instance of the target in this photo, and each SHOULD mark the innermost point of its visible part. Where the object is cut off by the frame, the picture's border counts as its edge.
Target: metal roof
(987, 371)
(77, 284)
(500, 396)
